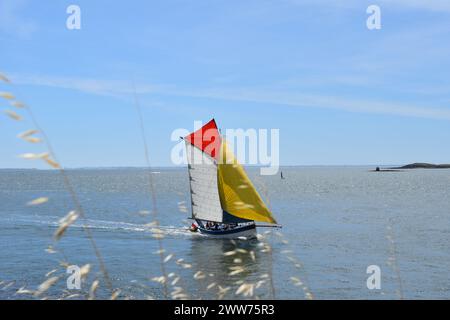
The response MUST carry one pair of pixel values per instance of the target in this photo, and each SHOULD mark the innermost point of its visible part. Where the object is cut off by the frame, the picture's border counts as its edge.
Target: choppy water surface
(337, 221)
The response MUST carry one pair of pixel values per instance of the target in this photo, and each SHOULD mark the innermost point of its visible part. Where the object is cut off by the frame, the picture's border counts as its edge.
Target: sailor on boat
(193, 228)
(224, 202)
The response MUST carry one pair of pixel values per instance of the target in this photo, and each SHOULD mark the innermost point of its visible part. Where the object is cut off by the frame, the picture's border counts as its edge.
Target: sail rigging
(220, 188)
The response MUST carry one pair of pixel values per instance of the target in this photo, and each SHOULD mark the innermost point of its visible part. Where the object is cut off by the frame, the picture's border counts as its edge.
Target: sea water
(337, 221)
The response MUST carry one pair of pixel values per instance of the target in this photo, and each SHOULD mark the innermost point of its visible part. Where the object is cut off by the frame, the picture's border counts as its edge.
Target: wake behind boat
(224, 202)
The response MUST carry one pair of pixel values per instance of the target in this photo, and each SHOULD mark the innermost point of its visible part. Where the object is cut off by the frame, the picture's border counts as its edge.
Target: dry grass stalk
(37, 201)
(64, 223)
(67, 183)
(4, 78)
(246, 289)
(179, 294)
(27, 133)
(236, 270)
(175, 281)
(84, 271)
(260, 283)
(151, 190)
(144, 213)
(211, 285)
(25, 291)
(168, 258)
(52, 163)
(7, 95)
(32, 139)
(50, 250)
(18, 104)
(116, 294)
(48, 274)
(9, 285)
(34, 156)
(13, 115)
(222, 292)
(199, 275)
(44, 286)
(93, 289)
(252, 255)
(161, 279)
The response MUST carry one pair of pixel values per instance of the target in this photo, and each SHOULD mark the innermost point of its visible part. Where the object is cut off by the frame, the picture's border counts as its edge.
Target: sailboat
(224, 202)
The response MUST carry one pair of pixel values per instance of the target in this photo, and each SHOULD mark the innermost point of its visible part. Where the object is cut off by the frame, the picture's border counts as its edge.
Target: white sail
(204, 188)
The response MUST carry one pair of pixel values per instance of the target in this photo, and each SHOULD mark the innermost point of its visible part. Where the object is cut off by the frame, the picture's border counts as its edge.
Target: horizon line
(182, 167)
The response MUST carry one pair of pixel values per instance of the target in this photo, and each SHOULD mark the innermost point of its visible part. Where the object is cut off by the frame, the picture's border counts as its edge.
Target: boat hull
(248, 232)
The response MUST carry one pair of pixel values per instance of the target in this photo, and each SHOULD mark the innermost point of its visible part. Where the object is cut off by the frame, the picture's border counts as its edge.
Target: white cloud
(124, 89)
(326, 102)
(115, 88)
(431, 5)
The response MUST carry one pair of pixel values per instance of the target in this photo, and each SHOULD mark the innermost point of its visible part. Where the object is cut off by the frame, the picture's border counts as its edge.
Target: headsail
(220, 189)
(238, 196)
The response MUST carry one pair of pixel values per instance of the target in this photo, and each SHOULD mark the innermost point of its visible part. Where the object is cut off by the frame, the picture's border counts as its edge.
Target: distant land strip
(424, 166)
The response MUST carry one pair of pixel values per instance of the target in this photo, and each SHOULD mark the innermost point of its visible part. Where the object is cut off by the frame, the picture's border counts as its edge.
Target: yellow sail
(237, 194)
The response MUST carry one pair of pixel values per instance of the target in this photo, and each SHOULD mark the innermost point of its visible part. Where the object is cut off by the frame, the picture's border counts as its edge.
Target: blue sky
(339, 93)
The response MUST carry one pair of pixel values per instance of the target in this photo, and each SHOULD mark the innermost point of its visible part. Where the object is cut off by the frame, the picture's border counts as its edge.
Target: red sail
(207, 139)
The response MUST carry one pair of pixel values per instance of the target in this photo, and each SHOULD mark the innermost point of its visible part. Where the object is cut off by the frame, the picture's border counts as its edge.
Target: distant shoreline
(416, 165)
(383, 168)
(183, 167)
(422, 166)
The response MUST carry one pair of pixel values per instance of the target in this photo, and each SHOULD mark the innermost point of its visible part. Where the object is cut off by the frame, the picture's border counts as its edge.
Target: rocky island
(424, 166)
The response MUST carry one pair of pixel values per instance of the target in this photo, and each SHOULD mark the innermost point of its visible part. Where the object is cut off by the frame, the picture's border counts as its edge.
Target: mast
(190, 193)
(190, 187)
